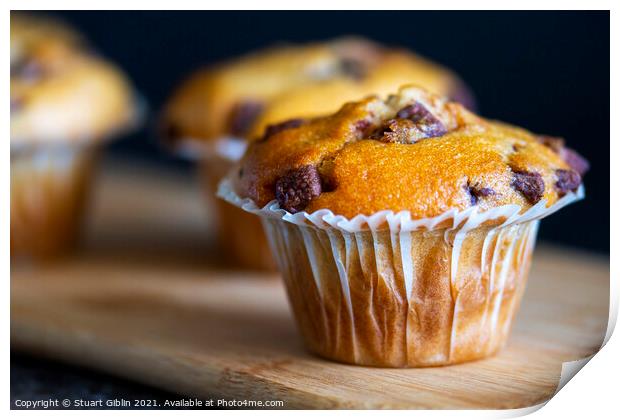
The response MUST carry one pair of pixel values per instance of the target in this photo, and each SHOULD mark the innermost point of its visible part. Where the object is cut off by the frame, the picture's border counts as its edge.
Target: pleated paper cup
(50, 185)
(385, 290)
(49, 188)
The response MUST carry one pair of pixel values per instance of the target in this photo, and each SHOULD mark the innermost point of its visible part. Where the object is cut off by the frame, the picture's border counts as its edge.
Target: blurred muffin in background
(65, 101)
(214, 113)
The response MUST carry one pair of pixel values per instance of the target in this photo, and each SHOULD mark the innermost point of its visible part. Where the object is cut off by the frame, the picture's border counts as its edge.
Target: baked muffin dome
(60, 90)
(35, 36)
(241, 97)
(413, 151)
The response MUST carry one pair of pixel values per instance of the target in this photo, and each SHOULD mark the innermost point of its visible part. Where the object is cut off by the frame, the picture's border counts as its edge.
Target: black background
(545, 71)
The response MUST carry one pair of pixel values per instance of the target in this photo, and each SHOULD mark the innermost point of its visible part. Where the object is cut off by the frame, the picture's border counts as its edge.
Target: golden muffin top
(413, 151)
(60, 90)
(241, 97)
(33, 36)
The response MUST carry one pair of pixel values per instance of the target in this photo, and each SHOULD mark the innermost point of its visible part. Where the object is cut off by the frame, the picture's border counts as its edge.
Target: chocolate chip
(31, 70)
(575, 160)
(567, 180)
(352, 68)
(243, 116)
(412, 124)
(16, 104)
(554, 143)
(476, 192)
(412, 111)
(362, 126)
(429, 124)
(530, 184)
(240, 173)
(15, 66)
(296, 189)
(276, 128)
(27, 69)
(570, 156)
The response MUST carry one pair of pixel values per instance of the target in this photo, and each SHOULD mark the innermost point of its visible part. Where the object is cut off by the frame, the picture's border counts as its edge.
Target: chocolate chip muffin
(404, 227)
(220, 108)
(64, 101)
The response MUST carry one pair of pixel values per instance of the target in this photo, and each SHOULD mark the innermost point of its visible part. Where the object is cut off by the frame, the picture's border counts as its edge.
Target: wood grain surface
(148, 298)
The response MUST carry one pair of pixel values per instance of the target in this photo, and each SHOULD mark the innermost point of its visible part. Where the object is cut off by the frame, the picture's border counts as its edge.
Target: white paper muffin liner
(230, 149)
(388, 290)
(50, 181)
(49, 186)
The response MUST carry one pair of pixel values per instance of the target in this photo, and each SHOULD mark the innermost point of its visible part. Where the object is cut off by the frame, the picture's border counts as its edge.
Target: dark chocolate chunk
(243, 116)
(362, 126)
(31, 70)
(296, 189)
(352, 68)
(570, 156)
(276, 128)
(567, 180)
(16, 104)
(15, 66)
(27, 69)
(575, 160)
(530, 184)
(412, 124)
(413, 112)
(429, 124)
(476, 192)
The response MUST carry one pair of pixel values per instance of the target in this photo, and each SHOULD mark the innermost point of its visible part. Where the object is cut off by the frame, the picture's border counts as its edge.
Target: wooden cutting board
(146, 299)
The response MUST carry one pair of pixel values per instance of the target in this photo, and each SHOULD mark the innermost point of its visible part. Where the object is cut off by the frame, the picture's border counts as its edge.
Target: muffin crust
(61, 90)
(413, 151)
(242, 97)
